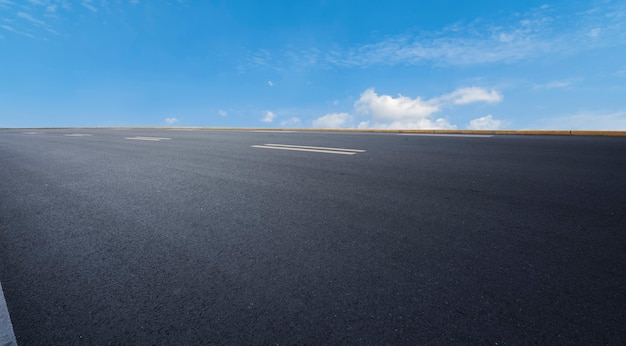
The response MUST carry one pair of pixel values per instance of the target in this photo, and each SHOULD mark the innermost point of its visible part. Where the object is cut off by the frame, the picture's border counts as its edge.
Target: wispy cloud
(470, 95)
(485, 123)
(519, 37)
(621, 73)
(11, 29)
(30, 18)
(557, 84)
(333, 121)
(291, 122)
(222, 113)
(36, 18)
(611, 121)
(171, 121)
(88, 4)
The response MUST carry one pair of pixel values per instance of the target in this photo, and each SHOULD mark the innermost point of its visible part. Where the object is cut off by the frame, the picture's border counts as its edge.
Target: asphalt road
(203, 238)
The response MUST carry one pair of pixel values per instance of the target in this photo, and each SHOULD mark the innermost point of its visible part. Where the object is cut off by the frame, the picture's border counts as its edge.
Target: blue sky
(324, 63)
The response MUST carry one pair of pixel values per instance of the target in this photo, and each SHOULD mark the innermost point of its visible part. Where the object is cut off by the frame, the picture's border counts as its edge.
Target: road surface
(241, 237)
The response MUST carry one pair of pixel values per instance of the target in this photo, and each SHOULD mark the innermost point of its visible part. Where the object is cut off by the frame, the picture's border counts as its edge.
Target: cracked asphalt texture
(202, 239)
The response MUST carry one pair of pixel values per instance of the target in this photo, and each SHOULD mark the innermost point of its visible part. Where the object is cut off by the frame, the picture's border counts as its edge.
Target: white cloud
(557, 84)
(473, 94)
(30, 18)
(406, 113)
(402, 112)
(270, 83)
(171, 121)
(485, 123)
(269, 117)
(414, 124)
(89, 5)
(222, 113)
(519, 37)
(10, 28)
(615, 121)
(293, 121)
(333, 120)
(387, 108)
(595, 32)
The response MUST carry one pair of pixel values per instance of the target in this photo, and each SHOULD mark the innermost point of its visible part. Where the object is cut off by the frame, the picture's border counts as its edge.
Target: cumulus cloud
(388, 108)
(171, 121)
(269, 117)
(403, 112)
(485, 123)
(333, 120)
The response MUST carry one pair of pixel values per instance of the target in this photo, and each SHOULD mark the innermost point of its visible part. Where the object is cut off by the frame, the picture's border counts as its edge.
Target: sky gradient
(326, 63)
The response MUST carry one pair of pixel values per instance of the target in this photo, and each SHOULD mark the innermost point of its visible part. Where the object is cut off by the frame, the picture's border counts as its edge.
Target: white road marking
(77, 135)
(302, 149)
(322, 148)
(7, 337)
(148, 138)
(326, 150)
(443, 135)
(31, 133)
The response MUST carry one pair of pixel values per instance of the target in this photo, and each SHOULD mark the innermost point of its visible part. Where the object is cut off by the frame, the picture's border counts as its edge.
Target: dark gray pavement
(203, 239)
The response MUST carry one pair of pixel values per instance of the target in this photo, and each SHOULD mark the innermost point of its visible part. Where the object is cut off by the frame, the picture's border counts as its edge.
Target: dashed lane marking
(156, 139)
(443, 135)
(326, 150)
(77, 135)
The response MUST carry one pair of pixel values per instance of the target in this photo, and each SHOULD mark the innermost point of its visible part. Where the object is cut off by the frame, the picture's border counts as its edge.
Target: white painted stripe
(31, 133)
(148, 138)
(321, 148)
(443, 135)
(304, 149)
(7, 336)
(77, 135)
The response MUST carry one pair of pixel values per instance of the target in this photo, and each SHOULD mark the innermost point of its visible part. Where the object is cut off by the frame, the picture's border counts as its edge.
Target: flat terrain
(200, 237)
